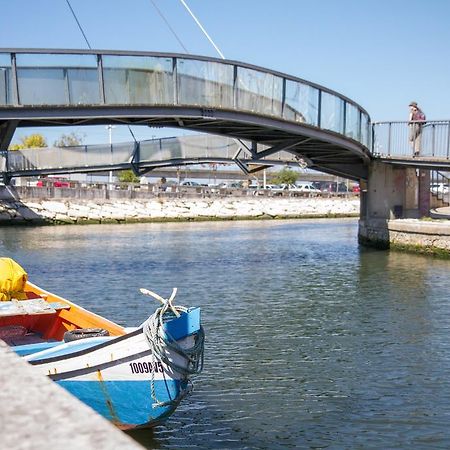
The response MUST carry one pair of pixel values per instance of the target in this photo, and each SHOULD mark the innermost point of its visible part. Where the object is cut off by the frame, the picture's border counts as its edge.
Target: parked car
(438, 188)
(307, 188)
(330, 186)
(275, 189)
(230, 185)
(190, 184)
(55, 182)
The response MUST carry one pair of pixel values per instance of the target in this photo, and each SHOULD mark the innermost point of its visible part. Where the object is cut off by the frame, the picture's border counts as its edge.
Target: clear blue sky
(381, 54)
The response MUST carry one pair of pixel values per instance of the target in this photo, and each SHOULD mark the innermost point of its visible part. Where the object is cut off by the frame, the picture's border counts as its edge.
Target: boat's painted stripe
(85, 370)
(28, 349)
(126, 402)
(87, 350)
(70, 348)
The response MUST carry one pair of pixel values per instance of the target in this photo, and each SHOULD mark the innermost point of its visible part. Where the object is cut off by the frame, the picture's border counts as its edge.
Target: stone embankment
(37, 414)
(69, 211)
(414, 235)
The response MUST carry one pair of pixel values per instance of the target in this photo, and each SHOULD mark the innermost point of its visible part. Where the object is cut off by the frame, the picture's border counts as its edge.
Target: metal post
(101, 80)
(15, 83)
(434, 139)
(389, 138)
(319, 108)
(235, 87)
(66, 86)
(373, 137)
(344, 125)
(110, 179)
(175, 81)
(448, 139)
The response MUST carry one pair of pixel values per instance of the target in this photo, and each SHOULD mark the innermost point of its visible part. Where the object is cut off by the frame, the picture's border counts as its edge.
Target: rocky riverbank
(76, 211)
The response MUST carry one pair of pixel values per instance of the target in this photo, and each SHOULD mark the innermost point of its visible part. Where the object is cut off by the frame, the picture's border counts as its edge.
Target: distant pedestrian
(416, 120)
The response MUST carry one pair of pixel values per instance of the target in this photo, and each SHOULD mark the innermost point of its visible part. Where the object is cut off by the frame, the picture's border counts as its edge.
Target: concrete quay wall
(71, 211)
(420, 236)
(37, 414)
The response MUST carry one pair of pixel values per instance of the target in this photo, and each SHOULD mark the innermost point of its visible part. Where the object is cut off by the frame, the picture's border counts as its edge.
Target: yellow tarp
(12, 280)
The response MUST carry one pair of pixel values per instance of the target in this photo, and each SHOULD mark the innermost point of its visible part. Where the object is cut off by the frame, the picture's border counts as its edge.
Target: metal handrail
(428, 139)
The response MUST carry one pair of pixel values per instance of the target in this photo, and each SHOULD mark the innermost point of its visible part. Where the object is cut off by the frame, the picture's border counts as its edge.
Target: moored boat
(133, 377)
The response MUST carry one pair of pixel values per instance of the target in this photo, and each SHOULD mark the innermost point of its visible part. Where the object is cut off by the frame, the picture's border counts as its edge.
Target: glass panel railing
(210, 146)
(259, 92)
(70, 157)
(5, 79)
(365, 129)
(352, 122)
(57, 79)
(301, 103)
(73, 79)
(204, 83)
(138, 80)
(332, 112)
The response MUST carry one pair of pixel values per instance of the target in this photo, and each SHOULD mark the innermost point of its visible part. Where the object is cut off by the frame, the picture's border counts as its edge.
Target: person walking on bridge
(416, 121)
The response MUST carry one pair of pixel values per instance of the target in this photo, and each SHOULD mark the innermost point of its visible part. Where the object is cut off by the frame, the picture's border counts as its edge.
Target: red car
(55, 182)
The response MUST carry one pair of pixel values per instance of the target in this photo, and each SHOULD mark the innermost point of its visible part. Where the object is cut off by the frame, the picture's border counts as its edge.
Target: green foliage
(128, 176)
(69, 140)
(32, 141)
(285, 176)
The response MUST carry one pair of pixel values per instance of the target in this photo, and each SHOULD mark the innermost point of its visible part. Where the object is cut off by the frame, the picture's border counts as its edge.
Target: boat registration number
(146, 367)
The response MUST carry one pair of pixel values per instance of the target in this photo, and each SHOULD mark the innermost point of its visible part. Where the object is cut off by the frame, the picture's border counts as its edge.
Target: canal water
(312, 341)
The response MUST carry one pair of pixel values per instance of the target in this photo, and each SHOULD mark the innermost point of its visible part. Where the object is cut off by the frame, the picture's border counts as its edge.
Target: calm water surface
(312, 342)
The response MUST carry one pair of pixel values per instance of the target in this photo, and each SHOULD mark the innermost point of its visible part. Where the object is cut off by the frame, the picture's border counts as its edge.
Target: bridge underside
(321, 149)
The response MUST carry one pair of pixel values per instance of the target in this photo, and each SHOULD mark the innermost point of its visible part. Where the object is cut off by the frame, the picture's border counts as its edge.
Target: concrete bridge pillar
(393, 192)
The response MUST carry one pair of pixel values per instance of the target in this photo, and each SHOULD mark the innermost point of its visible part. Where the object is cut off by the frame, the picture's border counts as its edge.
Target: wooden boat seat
(29, 307)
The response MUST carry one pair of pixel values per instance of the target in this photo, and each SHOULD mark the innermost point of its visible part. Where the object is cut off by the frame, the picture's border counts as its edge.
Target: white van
(307, 188)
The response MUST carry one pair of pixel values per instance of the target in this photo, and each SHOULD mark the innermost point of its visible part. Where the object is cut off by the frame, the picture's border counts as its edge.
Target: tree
(69, 140)
(32, 141)
(128, 176)
(285, 176)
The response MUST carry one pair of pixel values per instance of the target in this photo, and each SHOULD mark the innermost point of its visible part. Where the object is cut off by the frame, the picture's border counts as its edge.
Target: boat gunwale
(106, 323)
(114, 340)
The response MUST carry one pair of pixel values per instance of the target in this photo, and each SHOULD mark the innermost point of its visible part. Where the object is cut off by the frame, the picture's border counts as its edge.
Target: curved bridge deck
(77, 87)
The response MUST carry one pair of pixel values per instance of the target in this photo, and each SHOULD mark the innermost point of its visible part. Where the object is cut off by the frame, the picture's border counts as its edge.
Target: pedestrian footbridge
(265, 111)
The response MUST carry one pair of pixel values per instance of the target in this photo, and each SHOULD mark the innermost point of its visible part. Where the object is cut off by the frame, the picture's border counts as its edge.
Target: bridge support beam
(393, 192)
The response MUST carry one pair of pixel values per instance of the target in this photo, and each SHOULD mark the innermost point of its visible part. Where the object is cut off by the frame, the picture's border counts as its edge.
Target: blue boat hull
(126, 379)
(128, 404)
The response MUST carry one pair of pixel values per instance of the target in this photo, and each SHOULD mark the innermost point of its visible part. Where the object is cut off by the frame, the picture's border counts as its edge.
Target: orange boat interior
(43, 316)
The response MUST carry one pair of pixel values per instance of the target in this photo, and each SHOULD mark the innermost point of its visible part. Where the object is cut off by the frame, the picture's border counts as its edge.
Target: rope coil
(164, 347)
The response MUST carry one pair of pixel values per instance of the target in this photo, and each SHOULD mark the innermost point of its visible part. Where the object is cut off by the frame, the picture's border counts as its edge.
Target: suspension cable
(201, 28)
(78, 23)
(183, 2)
(90, 48)
(168, 26)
